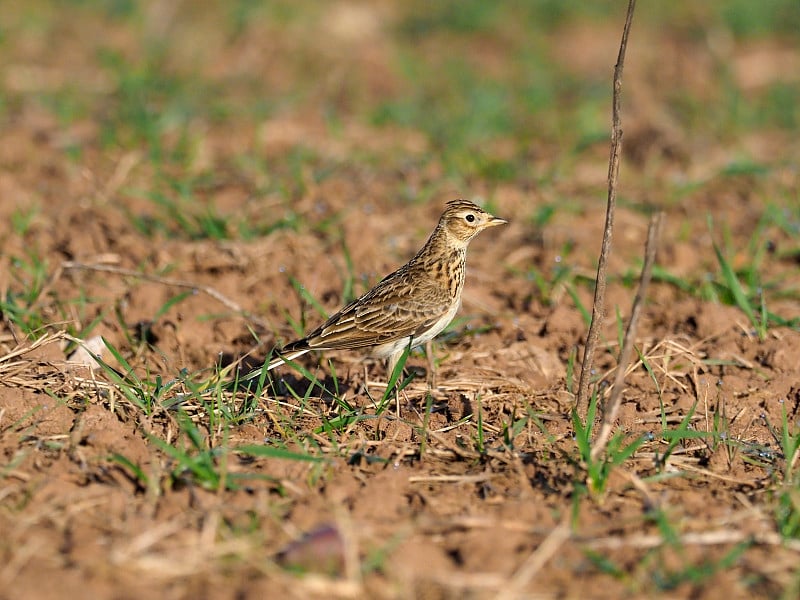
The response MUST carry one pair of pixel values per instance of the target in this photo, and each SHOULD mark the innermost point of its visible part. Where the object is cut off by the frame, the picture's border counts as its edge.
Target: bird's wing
(395, 309)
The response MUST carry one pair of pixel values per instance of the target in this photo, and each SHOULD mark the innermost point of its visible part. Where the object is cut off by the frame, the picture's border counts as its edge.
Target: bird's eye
(470, 218)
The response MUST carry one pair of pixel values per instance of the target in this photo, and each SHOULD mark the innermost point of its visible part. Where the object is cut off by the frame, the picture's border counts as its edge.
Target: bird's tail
(275, 362)
(283, 359)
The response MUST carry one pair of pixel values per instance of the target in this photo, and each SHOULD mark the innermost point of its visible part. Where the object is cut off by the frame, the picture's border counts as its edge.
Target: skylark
(409, 307)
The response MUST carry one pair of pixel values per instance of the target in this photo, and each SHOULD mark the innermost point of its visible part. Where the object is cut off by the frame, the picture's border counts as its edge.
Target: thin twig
(537, 559)
(598, 305)
(614, 400)
(72, 265)
(21, 349)
(700, 538)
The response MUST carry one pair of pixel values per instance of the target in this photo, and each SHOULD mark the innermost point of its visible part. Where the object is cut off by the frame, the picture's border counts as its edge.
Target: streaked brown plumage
(413, 304)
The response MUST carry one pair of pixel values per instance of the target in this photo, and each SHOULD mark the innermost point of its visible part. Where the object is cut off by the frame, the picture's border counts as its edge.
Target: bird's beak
(495, 221)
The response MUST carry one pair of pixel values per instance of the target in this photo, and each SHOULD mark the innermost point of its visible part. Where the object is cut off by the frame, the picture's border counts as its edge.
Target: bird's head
(463, 220)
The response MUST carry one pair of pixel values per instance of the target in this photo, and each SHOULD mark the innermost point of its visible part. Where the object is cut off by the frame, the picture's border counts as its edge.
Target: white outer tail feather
(282, 360)
(255, 374)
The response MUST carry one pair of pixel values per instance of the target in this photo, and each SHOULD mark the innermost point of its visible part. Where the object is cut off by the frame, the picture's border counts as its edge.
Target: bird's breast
(447, 268)
(454, 272)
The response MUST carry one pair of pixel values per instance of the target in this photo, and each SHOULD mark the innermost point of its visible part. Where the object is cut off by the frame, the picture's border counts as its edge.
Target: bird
(408, 307)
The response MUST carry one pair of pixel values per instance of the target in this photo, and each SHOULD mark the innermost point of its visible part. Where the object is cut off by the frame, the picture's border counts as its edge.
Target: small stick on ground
(598, 305)
(612, 405)
(224, 300)
(537, 560)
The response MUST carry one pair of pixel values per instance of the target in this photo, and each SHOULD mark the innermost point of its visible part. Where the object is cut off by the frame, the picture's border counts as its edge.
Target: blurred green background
(491, 86)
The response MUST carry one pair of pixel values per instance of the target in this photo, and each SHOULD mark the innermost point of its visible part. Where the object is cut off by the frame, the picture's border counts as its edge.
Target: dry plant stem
(20, 349)
(537, 560)
(71, 265)
(598, 305)
(612, 405)
(700, 538)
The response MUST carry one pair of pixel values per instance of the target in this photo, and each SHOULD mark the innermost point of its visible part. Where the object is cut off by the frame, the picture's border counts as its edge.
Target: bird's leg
(366, 379)
(431, 364)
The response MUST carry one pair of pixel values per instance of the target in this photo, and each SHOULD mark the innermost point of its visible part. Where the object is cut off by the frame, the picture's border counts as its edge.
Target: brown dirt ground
(452, 522)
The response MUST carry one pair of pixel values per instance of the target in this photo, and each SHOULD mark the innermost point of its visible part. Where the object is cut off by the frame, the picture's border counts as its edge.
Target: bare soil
(435, 516)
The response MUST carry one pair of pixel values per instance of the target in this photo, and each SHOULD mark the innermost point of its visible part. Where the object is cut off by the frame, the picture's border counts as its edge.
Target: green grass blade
(258, 451)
